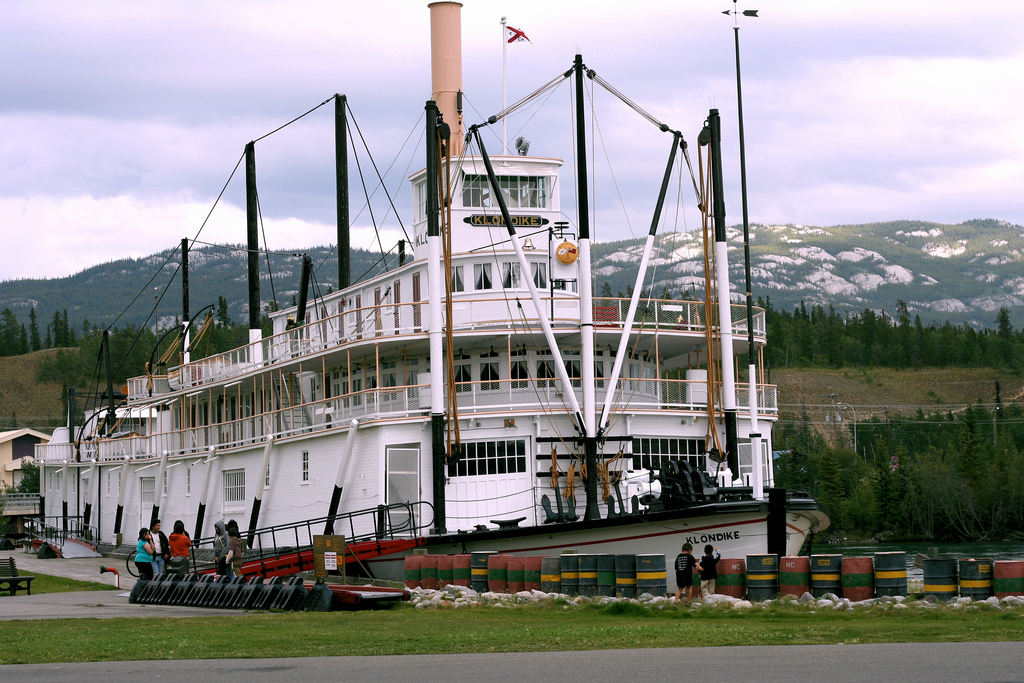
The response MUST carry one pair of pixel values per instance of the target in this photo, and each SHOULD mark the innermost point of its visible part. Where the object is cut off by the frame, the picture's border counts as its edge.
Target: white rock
(741, 604)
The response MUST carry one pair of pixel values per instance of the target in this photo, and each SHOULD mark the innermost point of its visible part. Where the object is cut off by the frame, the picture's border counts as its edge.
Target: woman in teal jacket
(144, 554)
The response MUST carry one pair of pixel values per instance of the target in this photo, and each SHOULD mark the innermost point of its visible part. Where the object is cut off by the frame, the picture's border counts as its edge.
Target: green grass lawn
(414, 631)
(44, 583)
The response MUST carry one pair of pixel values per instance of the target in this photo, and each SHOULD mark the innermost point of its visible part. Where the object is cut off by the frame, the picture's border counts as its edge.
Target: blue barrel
(940, 578)
(625, 576)
(478, 569)
(826, 575)
(550, 575)
(762, 577)
(588, 575)
(976, 579)
(651, 576)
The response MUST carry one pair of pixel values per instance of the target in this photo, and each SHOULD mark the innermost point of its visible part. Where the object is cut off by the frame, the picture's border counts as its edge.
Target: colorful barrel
(732, 577)
(826, 575)
(762, 577)
(445, 570)
(651, 576)
(413, 570)
(428, 572)
(858, 578)
(478, 573)
(794, 575)
(588, 575)
(531, 575)
(891, 574)
(516, 574)
(570, 570)
(606, 575)
(976, 579)
(462, 570)
(940, 578)
(551, 575)
(497, 573)
(1008, 578)
(625, 576)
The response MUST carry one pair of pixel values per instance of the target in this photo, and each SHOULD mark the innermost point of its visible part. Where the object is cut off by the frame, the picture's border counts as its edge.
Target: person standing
(161, 549)
(144, 554)
(709, 570)
(685, 562)
(221, 549)
(237, 550)
(181, 548)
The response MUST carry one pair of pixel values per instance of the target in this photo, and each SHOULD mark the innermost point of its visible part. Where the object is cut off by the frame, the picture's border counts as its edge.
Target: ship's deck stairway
(287, 549)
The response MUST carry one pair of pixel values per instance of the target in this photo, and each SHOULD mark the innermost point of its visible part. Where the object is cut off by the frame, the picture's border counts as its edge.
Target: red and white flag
(515, 35)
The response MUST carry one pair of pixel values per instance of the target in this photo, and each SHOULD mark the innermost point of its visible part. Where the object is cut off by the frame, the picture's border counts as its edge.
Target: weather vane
(736, 12)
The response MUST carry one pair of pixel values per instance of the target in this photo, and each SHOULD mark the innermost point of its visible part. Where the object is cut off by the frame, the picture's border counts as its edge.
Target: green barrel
(413, 570)
(826, 575)
(516, 574)
(762, 577)
(478, 569)
(625, 576)
(497, 573)
(531, 575)
(551, 575)
(732, 577)
(976, 579)
(1008, 578)
(428, 577)
(651, 576)
(445, 570)
(606, 575)
(462, 570)
(570, 570)
(891, 574)
(794, 575)
(858, 579)
(940, 577)
(588, 575)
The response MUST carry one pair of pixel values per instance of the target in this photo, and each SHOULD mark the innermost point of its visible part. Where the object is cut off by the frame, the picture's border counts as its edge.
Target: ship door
(403, 486)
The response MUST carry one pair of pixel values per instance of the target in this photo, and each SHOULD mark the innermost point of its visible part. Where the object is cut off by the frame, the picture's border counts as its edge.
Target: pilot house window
(520, 192)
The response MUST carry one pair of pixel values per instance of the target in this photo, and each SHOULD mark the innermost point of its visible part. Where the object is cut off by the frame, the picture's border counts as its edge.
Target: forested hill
(961, 273)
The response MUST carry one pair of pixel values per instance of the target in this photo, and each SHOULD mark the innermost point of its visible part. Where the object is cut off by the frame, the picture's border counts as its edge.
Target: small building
(15, 445)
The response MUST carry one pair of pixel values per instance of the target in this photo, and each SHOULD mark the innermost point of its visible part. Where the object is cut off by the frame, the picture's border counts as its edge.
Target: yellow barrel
(651, 576)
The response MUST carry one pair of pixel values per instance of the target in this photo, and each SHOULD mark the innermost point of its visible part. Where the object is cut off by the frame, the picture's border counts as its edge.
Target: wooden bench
(10, 581)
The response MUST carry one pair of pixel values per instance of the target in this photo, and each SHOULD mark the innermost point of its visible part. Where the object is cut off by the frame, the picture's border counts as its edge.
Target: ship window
(489, 370)
(305, 465)
(520, 192)
(420, 189)
(572, 368)
(458, 283)
(653, 453)
(165, 482)
(510, 276)
(148, 485)
(234, 486)
(540, 274)
(545, 373)
(463, 372)
(490, 457)
(188, 481)
(482, 276)
(519, 370)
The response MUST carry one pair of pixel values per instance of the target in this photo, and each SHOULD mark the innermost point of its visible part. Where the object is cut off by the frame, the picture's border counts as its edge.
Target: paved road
(910, 663)
(81, 568)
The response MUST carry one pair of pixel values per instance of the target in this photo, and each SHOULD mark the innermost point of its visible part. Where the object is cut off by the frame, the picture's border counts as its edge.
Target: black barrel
(588, 575)
(891, 574)
(976, 579)
(762, 577)
(826, 575)
(570, 569)
(940, 577)
(651, 576)
(550, 575)
(625, 576)
(478, 569)
(606, 575)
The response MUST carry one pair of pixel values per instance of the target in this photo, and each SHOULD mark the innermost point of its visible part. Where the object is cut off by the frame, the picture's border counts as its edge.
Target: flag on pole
(515, 35)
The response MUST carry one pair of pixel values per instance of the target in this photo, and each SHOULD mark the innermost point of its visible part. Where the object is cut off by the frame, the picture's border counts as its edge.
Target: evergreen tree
(33, 331)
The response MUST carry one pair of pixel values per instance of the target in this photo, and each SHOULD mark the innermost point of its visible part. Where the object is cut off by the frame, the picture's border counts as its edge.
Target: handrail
(39, 528)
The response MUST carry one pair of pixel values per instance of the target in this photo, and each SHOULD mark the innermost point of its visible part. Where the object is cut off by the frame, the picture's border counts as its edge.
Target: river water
(1002, 550)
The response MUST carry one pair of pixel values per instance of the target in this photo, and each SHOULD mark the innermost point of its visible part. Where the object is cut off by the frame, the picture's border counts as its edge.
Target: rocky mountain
(961, 273)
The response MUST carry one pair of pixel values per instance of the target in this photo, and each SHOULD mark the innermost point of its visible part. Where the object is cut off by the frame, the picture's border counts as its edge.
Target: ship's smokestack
(446, 66)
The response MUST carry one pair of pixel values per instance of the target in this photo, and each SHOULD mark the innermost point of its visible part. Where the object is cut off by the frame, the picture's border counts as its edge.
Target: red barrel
(428, 572)
(858, 578)
(462, 566)
(516, 572)
(445, 567)
(1008, 578)
(794, 575)
(497, 573)
(413, 569)
(531, 576)
(731, 579)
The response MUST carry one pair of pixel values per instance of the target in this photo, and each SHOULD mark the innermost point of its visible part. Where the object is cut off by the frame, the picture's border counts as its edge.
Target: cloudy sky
(120, 122)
